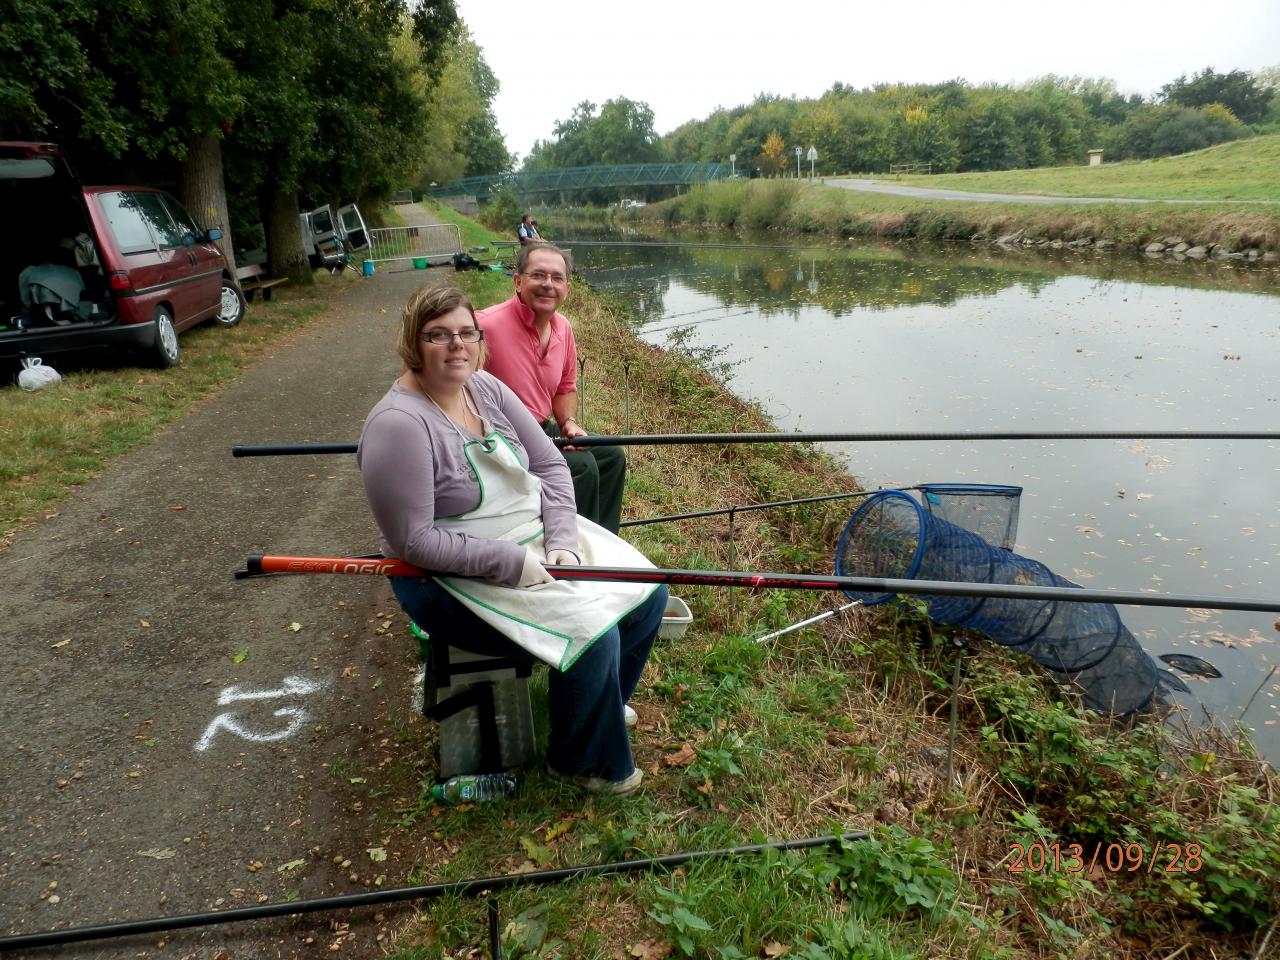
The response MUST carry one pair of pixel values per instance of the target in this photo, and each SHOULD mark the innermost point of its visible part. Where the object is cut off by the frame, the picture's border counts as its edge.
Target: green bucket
(419, 263)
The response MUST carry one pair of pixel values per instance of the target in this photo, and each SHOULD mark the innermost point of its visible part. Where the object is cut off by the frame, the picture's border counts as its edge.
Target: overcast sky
(686, 57)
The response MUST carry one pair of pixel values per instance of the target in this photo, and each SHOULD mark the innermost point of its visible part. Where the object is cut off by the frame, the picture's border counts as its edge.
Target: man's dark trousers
(598, 477)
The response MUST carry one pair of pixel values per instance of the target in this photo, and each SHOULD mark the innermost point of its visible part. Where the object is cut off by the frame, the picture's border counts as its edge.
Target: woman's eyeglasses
(442, 337)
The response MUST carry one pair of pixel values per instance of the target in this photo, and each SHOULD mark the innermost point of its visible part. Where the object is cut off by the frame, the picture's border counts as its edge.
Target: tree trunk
(285, 256)
(204, 191)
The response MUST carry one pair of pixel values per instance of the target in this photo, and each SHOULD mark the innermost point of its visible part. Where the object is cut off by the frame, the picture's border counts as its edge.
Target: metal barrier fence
(429, 241)
(911, 168)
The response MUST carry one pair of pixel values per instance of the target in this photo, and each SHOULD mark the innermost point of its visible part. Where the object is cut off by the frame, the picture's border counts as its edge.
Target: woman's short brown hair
(427, 304)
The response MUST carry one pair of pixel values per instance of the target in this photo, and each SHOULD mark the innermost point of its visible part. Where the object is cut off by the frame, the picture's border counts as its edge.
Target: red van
(92, 268)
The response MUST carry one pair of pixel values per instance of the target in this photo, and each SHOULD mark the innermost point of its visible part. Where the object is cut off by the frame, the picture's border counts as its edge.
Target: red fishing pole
(261, 564)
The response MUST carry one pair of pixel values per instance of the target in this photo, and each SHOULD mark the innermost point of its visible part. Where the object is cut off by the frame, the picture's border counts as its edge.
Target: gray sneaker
(629, 716)
(617, 788)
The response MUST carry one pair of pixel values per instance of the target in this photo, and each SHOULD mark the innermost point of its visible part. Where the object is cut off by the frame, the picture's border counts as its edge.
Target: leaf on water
(240, 657)
(1145, 496)
(1086, 529)
(1197, 666)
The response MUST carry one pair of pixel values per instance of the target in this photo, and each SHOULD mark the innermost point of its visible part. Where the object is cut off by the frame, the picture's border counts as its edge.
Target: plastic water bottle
(476, 788)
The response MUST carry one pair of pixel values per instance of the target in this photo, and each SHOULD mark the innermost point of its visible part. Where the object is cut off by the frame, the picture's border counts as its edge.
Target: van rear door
(319, 234)
(354, 231)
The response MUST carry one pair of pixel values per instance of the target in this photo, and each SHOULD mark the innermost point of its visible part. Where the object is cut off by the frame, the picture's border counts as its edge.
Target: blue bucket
(368, 268)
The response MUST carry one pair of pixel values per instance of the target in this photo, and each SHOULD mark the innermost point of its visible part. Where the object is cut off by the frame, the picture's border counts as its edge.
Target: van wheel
(231, 310)
(166, 351)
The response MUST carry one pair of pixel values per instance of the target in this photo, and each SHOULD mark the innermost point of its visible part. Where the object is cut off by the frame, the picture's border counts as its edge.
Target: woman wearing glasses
(462, 480)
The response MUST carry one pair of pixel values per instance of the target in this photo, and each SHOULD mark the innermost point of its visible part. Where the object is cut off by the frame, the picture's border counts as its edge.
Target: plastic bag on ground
(35, 375)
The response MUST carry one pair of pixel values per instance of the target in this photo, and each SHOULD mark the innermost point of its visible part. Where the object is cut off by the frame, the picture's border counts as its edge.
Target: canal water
(879, 338)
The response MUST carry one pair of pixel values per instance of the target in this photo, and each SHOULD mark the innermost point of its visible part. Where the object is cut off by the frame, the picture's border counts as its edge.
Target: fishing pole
(756, 506)
(262, 564)
(663, 439)
(467, 888)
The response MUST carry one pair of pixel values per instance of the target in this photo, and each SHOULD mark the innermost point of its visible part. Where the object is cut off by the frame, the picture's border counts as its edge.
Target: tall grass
(831, 211)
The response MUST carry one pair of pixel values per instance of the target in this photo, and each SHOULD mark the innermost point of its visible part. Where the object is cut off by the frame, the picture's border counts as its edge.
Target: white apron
(556, 622)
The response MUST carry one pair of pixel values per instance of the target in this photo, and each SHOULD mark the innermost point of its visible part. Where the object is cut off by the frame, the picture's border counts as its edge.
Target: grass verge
(1239, 170)
(58, 438)
(842, 727)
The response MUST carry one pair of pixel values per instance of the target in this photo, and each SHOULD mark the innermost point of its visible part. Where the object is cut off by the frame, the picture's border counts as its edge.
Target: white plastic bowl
(675, 619)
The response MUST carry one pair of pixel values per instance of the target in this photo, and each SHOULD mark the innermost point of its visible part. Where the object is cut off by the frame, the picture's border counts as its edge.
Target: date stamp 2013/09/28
(1041, 856)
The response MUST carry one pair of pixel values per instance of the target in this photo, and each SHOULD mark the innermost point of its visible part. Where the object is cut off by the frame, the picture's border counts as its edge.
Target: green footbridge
(569, 179)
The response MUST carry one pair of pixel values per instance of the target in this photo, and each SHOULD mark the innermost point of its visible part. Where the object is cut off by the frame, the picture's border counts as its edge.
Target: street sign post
(812, 156)
(799, 150)
(733, 165)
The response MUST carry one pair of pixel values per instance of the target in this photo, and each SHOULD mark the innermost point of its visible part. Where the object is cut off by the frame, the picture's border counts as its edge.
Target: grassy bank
(831, 211)
(839, 727)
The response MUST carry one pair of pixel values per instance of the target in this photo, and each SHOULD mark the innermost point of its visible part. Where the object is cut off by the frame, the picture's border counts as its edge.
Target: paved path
(902, 190)
(145, 772)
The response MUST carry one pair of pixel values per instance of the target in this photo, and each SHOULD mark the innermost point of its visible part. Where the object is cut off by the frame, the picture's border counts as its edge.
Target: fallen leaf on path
(158, 854)
(178, 507)
(537, 852)
(650, 950)
(564, 826)
(295, 626)
(240, 657)
(377, 854)
(680, 756)
(291, 865)
(144, 623)
(60, 643)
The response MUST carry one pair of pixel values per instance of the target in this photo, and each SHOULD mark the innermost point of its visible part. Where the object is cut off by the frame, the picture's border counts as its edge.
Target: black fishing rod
(748, 508)
(467, 888)
(666, 439)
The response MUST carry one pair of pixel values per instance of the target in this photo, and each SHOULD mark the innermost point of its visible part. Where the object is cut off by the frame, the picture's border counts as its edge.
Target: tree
(772, 159)
(1183, 130)
(623, 133)
(1239, 92)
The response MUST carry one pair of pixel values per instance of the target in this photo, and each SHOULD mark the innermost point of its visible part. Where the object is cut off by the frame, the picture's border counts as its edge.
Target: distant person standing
(527, 231)
(532, 351)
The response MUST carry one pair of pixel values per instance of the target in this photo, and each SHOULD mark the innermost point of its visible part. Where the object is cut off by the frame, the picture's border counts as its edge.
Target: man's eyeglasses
(442, 337)
(539, 276)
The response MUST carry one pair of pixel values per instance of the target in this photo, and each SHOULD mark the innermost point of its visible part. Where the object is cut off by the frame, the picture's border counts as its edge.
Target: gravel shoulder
(145, 771)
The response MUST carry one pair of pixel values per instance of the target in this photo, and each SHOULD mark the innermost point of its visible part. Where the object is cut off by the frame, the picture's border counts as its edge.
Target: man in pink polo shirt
(532, 351)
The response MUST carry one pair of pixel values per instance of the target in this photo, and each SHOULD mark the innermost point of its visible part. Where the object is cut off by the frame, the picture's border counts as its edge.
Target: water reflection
(911, 339)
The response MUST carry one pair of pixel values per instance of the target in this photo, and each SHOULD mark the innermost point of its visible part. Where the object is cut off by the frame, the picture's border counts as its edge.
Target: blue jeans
(588, 736)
